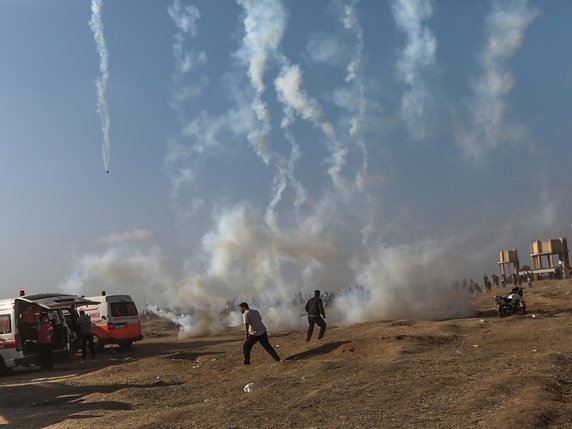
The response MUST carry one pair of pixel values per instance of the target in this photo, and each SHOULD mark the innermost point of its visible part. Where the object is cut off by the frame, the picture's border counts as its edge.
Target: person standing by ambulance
(45, 343)
(84, 331)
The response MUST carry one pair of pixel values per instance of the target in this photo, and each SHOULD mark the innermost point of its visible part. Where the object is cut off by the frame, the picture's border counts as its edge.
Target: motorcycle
(511, 304)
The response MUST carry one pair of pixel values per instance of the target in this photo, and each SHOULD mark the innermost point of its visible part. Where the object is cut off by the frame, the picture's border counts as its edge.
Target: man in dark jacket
(84, 328)
(316, 315)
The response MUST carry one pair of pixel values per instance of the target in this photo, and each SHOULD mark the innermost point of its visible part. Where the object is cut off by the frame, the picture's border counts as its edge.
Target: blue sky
(258, 148)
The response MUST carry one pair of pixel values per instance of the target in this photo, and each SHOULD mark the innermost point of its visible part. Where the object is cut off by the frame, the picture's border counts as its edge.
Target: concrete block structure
(547, 250)
(508, 262)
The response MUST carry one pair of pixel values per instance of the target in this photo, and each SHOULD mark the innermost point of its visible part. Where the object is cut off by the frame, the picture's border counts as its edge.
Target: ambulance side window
(119, 309)
(5, 325)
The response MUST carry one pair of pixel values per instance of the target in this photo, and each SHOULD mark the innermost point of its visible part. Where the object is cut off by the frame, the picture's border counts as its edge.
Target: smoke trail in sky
(505, 27)
(351, 22)
(354, 74)
(264, 24)
(419, 54)
(96, 25)
(186, 19)
(289, 85)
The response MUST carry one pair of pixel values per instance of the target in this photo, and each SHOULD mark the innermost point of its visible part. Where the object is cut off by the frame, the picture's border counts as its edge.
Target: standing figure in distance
(84, 328)
(45, 343)
(316, 315)
(254, 331)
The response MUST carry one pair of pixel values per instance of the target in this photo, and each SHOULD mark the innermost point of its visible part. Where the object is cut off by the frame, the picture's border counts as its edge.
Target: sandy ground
(481, 372)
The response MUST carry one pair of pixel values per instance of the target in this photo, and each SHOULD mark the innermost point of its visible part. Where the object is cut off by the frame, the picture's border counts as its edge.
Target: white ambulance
(115, 320)
(18, 332)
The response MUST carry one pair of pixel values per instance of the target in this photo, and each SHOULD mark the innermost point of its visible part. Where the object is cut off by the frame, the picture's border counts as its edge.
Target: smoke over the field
(285, 188)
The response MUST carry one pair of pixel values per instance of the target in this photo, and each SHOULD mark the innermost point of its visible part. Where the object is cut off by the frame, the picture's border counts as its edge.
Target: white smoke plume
(204, 322)
(505, 28)
(185, 19)
(264, 26)
(417, 56)
(289, 86)
(358, 105)
(325, 49)
(354, 74)
(264, 23)
(121, 269)
(186, 22)
(96, 25)
(247, 261)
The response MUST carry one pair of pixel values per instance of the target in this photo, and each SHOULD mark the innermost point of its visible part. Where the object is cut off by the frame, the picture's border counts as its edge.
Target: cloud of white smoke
(417, 56)
(121, 269)
(489, 127)
(274, 258)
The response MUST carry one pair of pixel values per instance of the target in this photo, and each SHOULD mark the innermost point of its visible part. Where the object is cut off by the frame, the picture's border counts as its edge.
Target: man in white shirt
(254, 331)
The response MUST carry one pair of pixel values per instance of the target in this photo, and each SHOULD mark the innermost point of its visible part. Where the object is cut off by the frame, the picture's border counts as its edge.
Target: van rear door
(26, 333)
(123, 320)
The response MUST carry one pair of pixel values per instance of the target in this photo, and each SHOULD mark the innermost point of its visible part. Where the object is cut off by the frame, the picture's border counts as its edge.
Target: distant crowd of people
(471, 287)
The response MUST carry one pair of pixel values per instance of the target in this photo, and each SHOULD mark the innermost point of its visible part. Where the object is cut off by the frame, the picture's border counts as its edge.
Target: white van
(18, 334)
(115, 320)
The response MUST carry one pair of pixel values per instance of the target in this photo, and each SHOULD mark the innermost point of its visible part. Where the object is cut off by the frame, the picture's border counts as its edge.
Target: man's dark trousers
(316, 320)
(252, 340)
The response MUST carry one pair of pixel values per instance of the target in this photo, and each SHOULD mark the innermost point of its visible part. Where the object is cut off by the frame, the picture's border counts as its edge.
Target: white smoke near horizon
(245, 260)
(417, 56)
(96, 25)
(121, 268)
(209, 322)
(489, 125)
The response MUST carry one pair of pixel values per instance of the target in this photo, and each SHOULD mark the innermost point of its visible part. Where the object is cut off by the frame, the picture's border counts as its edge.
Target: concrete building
(547, 250)
(508, 262)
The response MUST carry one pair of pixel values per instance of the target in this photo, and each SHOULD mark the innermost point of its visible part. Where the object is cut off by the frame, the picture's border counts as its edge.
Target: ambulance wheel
(98, 344)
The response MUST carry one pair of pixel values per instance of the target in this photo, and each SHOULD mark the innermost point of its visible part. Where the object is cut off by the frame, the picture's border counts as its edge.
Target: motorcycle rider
(515, 295)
